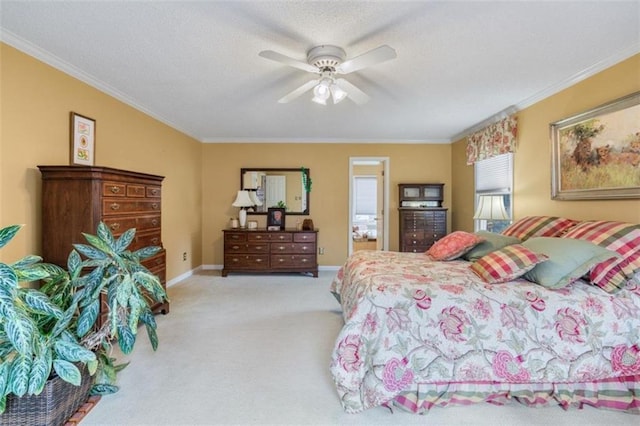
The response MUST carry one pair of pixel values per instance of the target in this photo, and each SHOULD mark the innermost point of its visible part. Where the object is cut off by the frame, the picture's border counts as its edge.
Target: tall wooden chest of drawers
(76, 198)
(270, 251)
(423, 221)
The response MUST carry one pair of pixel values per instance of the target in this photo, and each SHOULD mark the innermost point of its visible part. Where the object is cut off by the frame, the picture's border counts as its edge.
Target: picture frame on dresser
(83, 140)
(275, 218)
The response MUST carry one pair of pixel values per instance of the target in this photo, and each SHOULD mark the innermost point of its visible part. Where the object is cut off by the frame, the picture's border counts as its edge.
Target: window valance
(498, 138)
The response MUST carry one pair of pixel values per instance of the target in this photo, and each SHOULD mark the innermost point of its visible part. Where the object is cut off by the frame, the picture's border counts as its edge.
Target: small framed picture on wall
(275, 218)
(83, 140)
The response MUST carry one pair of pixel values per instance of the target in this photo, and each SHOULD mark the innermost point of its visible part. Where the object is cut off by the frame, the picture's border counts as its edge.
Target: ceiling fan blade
(299, 91)
(372, 57)
(355, 94)
(279, 57)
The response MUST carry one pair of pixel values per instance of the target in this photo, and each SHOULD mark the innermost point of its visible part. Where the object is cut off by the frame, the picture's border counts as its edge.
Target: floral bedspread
(410, 320)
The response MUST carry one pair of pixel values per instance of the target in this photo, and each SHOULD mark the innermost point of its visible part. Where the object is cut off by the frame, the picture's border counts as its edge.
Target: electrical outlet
(184, 256)
(320, 250)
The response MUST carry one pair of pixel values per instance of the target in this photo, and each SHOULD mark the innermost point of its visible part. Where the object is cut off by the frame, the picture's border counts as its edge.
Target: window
(365, 191)
(494, 176)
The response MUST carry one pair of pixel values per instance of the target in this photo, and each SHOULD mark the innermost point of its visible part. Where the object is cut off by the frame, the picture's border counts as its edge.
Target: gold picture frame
(83, 140)
(596, 154)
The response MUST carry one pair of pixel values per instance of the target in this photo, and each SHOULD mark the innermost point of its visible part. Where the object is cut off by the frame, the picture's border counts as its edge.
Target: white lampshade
(491, 207)
(243, 199)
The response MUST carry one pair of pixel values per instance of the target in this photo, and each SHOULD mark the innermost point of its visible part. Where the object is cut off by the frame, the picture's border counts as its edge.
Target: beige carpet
(251, 349)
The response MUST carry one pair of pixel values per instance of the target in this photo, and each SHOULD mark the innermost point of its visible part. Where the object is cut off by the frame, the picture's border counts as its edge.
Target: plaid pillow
(453, 245)
(507, 263)
(621, 237)
(539, 226)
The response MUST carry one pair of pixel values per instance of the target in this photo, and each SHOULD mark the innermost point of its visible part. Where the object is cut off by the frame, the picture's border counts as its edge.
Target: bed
(421, 331)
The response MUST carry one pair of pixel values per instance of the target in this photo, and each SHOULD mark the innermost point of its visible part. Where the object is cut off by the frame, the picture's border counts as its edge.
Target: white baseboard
(219, 267)
(182, 277)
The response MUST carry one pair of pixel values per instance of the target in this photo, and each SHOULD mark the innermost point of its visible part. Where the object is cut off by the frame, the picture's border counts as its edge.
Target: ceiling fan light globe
(337, 93)
(318, 100)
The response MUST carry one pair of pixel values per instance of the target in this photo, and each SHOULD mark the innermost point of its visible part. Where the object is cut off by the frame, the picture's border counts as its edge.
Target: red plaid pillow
(621, 237)
(539, 226)
(506, 264)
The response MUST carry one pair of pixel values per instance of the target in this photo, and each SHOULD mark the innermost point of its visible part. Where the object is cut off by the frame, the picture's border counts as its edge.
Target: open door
(368, 203)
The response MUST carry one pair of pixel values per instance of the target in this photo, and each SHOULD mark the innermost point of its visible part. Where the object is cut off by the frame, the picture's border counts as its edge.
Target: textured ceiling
(195, 66)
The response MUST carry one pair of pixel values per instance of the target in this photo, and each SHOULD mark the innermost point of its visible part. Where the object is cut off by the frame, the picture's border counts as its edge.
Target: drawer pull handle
(235, 237)
(154, 222)
(115, 189)
(304, 260)
(281, 237)
(235, 247)
(281, 248)
(258, 237)
(114, 226)
(158, 261)
(155, 240)
(115, 206)
(154, 206)
(258, 260)
(280, 260)
(154, 191)
(235, 260)
(305, 248)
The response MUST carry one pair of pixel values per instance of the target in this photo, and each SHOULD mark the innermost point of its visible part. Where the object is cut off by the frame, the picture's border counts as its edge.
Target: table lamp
(490, 208)
(243, 200)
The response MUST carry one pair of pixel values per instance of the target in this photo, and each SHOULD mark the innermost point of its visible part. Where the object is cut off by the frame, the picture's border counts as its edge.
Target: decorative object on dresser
(243, 200)
(75, 199)
(423, 220)
(275, 218)
(253, 251)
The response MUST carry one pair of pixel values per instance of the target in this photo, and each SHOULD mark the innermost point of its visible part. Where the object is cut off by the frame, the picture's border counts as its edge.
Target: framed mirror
(281, 188)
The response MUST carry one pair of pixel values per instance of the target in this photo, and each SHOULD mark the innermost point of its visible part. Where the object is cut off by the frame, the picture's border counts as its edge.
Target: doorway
(368, 203)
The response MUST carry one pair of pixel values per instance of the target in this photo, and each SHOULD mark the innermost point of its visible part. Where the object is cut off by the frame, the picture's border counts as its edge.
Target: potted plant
(58, 331)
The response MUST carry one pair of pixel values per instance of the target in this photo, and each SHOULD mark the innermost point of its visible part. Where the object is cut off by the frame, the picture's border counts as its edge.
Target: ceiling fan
(327, 62)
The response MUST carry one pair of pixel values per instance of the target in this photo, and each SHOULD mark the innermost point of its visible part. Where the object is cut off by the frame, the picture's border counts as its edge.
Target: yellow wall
(532, 161)
(329, 198)
(202, 179)
(36, 100)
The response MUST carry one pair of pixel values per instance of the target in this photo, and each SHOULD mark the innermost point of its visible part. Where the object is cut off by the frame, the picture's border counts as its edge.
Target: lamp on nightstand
(490, 208)
(243, 200)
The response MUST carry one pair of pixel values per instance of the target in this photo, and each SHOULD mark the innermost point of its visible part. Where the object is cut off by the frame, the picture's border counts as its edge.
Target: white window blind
(365, 195)
(494, 175)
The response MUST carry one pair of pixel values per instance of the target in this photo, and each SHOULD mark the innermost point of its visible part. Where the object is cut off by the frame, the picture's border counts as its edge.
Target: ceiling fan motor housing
(326, 56)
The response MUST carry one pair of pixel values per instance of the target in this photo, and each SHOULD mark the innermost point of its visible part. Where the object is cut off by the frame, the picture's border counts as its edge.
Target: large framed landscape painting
(596, 154)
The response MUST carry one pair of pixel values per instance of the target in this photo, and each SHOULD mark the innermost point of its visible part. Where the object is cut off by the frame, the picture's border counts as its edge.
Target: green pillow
(491, 243)
(569, 260)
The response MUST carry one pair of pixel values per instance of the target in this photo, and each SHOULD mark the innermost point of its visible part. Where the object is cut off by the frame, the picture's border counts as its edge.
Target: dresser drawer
(233, 247)
(304, 237)
(153, 191)
(246, 261)
(143, 239)
(136, 191)
(124, 206)
(114, 189)
(287, 261)
(236, 237)
(120, 224)
(156, 263)
(300, 248)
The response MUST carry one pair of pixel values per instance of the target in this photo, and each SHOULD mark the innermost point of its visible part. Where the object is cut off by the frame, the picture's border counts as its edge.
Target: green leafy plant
(52, 329)
(306, 179)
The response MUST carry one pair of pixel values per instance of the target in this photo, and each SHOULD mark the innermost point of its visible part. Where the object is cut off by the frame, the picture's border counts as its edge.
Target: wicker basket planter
(54, 406)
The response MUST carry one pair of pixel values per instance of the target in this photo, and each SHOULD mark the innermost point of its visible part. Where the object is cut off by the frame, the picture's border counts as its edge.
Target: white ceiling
(195, 66)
